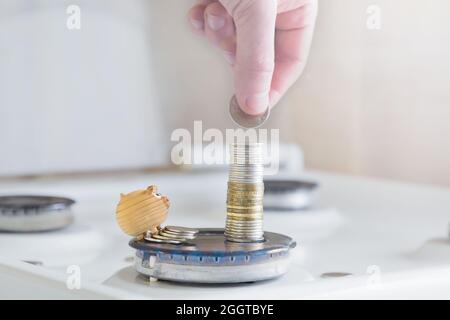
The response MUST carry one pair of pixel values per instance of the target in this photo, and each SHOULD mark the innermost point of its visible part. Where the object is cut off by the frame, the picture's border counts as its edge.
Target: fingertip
(215, 23)
(218, 23)
(254, 104)
(196, 18)
(216, 9)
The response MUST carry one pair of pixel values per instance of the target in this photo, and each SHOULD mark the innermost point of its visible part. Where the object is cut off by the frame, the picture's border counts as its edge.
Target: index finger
(255, 34)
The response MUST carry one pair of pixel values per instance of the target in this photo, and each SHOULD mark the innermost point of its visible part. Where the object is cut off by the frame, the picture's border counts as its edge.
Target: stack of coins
(172, 235)
(245, 193)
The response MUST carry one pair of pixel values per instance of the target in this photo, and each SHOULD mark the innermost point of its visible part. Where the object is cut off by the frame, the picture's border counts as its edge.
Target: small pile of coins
(172, 235)
(245, 193)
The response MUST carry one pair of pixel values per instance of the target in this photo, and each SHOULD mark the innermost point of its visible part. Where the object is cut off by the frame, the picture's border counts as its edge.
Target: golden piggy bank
(141, 211)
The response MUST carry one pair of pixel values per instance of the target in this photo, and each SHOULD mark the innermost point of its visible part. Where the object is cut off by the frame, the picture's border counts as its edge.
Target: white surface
(390, 236)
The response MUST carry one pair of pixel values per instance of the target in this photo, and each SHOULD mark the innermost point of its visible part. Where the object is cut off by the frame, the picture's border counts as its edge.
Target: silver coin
(246, 172)
(181, 229)
(240, 147)
(190, 234)
(242, 231)
(238, 235)
(246, 166)
(232, 227)
(163, 233)
(249, 237)
(176, 237)
(151, 239)
(245, 176)
(245, 120)
(178, 232)
(244, 224)
(160, 237)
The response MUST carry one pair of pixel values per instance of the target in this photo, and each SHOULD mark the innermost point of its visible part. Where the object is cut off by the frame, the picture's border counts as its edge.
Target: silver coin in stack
(245, 120)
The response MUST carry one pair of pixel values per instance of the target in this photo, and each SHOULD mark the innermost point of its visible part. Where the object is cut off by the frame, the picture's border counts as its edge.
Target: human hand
(266, 41)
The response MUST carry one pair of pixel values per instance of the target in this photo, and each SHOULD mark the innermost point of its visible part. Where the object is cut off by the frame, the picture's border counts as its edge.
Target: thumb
(255, 42)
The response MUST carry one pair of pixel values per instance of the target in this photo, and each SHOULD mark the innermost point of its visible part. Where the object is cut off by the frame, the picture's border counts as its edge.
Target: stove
(361, 238)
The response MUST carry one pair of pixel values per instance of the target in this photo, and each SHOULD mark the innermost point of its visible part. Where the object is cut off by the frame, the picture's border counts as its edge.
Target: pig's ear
(151, 189)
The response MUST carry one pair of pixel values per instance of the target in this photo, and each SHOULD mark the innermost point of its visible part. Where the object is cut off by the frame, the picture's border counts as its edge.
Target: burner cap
(286, 195)
(30, 213)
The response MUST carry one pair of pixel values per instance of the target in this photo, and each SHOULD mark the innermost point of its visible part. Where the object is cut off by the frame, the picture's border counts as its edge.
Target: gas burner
(209, 258)
(31, 213)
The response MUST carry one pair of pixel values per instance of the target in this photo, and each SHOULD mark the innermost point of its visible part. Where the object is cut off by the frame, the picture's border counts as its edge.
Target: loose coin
(161, 237)
(168, 241)
(245, 120)
(181, 229)
(176, 236)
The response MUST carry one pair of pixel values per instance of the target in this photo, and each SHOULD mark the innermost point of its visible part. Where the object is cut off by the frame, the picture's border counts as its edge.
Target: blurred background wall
(77, 99)
(371, 102)
(377, 102)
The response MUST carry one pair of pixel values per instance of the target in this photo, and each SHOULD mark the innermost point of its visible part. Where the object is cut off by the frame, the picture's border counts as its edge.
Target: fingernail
(230, 57)
(215, 22)
(257, 104)
(197, 24)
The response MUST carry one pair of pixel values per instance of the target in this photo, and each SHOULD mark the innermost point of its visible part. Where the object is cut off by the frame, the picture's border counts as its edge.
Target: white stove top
(391, 237)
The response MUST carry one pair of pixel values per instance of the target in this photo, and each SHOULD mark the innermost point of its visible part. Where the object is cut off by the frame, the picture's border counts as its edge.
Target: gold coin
(247, 194)
(244, 202)
(233, 184)
(257, 189)
(250, 192)
(241, 198)
(260, 207)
